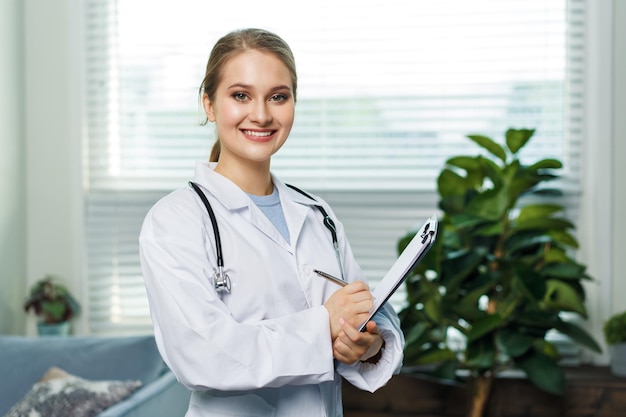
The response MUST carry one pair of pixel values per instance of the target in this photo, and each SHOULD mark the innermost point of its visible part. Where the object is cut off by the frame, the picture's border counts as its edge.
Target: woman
(275, 339)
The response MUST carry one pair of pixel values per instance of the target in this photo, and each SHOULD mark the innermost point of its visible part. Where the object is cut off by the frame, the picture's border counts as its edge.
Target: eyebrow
(250, 87)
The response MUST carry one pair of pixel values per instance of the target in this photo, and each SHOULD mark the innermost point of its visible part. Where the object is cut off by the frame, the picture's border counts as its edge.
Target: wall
(12, 170)
(52, 130)
(602, 228)
(618, 220)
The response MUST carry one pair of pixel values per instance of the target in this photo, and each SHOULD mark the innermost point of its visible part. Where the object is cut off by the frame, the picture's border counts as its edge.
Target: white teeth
(258, 134)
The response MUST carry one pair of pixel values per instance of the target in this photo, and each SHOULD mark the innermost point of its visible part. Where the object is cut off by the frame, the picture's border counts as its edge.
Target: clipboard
(402, 267)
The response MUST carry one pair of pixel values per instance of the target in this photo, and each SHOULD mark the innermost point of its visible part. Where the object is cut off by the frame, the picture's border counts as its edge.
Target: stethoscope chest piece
(221, 281)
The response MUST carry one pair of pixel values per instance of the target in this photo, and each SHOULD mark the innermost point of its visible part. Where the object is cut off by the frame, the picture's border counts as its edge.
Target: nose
(261, 113)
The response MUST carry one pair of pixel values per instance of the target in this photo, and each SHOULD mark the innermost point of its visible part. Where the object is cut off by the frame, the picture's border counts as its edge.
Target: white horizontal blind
(387, 91)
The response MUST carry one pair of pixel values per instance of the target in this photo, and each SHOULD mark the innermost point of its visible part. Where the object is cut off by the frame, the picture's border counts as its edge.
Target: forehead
(255, 68)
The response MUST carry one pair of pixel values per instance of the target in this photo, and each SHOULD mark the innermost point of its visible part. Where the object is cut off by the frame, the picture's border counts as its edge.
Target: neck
(251, 178)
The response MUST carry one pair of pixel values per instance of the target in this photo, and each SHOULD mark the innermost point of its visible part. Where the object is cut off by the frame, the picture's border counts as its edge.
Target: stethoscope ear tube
(328, 222)
(221, 281)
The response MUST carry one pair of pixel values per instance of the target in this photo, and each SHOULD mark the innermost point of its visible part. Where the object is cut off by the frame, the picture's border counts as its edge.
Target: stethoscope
(221, 280)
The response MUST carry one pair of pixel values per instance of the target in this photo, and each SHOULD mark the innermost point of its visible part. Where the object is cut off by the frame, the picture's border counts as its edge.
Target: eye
(240, 96)
(279, 98)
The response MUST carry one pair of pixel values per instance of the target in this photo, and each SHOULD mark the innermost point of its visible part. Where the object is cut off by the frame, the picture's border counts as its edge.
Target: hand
(351, 303)
(352, 345)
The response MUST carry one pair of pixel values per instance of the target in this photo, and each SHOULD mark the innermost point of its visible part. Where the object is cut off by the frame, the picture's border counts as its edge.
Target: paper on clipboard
(399, 271)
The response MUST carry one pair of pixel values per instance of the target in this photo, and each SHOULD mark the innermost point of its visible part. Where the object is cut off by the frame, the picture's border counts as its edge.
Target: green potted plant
(53, 304)
(499, 276)
(615, 336)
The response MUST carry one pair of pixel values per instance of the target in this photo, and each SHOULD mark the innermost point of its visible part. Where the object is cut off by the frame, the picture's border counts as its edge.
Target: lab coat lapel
(296, 208)
(234, 199)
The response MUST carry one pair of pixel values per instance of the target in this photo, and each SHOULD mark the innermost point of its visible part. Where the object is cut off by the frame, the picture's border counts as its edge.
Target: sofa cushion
(58, 393)
(23, 360)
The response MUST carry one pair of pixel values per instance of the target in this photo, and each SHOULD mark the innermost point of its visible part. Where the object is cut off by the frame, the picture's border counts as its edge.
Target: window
(387, 91)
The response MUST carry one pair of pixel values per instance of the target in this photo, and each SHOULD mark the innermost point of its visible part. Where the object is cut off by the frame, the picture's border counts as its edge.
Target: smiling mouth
(259, 135)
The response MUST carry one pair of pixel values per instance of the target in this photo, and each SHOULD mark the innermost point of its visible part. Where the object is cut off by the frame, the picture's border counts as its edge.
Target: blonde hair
(233, 44)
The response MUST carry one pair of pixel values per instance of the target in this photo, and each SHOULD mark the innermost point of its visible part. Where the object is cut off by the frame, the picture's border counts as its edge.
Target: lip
(259, 135)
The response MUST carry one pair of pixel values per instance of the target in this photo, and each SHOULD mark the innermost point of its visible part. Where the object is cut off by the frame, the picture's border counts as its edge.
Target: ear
(208, 108)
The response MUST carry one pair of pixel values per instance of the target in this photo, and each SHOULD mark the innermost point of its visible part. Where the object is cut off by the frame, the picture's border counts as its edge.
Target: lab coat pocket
(214, 404)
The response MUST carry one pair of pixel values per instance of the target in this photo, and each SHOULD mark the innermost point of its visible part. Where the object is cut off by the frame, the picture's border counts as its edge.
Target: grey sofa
(24, 360)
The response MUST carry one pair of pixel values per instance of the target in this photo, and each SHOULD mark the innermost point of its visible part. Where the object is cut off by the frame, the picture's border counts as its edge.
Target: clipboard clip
(426, 233)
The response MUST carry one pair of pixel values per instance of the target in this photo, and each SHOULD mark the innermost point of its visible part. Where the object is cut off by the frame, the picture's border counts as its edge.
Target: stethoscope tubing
(216, 230)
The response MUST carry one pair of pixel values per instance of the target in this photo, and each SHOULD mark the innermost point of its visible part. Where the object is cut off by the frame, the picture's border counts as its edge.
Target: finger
(356, 337)
(357, 319)
(371, 327)
(355, 287)
(343, 351)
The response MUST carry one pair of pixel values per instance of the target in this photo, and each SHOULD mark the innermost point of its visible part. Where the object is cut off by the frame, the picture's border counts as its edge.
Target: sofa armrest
(164, 397)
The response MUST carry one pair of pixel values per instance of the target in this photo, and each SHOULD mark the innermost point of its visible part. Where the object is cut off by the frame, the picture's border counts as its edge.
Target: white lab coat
(264, 349)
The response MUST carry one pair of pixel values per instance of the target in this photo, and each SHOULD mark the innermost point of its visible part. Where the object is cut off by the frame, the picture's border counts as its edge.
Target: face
(253, 108)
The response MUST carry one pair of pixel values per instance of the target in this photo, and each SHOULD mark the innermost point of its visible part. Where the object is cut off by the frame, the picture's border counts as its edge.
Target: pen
(331, 278)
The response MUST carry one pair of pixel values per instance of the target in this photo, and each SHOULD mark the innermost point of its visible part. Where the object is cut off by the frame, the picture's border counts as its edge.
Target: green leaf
(548, 192)
(561, 236)
(484, 326)
(532, 281)
(490, 145)
(525, 241)
(535, 211)
(451, 183)
(561, 296)
(578, 334)
(452, 204)
(467, 163)
(556, 255)
(416, 333)
(544, 372)
(434, 355)
(514, 343)
(490, 229)
(547, 348)
(570, 270)
(480, 354)
(493, 171)
(543, 224)
(54, 308)
(460, 265)
(465, 220)
(432, 308)
(517, 138)
(490, 205)
(474, 176)
(546, 164)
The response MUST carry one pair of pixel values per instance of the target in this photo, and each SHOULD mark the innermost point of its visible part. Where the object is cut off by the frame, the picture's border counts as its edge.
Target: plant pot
(57, 329)
(618, 359)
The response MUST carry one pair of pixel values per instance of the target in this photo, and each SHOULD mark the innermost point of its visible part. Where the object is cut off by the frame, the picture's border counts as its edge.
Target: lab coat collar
(231, 196)
(295, 205)
(223, 189)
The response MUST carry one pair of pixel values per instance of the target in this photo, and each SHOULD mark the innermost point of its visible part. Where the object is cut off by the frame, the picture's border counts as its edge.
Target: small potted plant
(54, 306)
(615, 336)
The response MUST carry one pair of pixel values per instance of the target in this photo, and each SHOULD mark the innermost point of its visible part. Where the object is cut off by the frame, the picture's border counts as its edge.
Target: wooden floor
(591, 392)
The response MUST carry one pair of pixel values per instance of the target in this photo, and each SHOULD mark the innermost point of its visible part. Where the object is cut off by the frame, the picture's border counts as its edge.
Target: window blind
(387, 92)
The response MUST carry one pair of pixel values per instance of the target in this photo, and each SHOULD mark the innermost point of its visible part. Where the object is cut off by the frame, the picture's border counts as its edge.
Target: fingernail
(341, 321)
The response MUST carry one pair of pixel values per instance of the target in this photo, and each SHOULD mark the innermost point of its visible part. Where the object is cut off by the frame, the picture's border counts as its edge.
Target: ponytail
(215, 151)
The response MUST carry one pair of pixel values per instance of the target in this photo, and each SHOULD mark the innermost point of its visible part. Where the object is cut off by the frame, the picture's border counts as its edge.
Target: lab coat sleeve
(199, 340)
(372, 376)
(368, 376)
